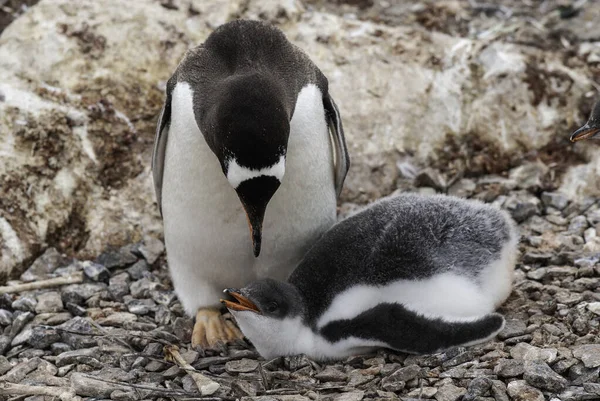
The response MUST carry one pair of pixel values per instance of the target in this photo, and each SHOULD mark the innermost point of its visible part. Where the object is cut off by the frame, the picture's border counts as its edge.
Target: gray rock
(182, 328)
(350, 396)
(79, 293)
(122, 395)
(118, 286)
(22, 369)
(477, 388)
(522, 207)
(95, 271)
(163, 297)
(592, 388)
(589, 354)
(87, 385)
(578, 225)
(20, 319)
(140, 306)
(242, 366)
(70, 357)
(540, 375)
(120, 258)
(527, 352)
(509, 368)
(529, 175)
(244, 388)
(519, 390)
(449, 392)
(58, 348)
(25, 303)
(42, 338)
(498, 391)
(576, 393)
(556, 200)
(512, 328)
(5, 365)
(462, 188)
(151, 249)
(142, 287)
(117, 319)
(138, 270)
(357, 378)
(5, 317)
(407, 373)
(49, 302)
(331, 374)
(50, 260)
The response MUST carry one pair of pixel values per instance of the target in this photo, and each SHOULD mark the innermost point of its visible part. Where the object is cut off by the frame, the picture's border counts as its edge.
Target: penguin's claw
(212, 330)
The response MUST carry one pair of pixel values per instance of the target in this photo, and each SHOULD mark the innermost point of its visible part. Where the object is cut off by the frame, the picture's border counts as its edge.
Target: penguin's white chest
(206, 232)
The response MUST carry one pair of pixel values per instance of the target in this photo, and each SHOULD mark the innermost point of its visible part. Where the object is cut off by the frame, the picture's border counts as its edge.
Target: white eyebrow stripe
(237, 174)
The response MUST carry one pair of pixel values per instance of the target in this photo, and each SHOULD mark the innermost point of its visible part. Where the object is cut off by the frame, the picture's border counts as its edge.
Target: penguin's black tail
(408, 331)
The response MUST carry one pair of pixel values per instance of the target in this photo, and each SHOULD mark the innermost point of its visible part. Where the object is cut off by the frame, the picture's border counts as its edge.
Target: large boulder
(81, 84)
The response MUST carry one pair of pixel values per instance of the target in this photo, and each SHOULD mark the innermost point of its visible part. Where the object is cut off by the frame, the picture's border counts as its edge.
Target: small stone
(576, 393)
(589, 354)
(18, 373)
(350, 396)
(242, 366)
(593, 307)
(429, 177)
(519, 390)
(244, 388)
(141, 288)
(509, 368)
(578, 225)
(25, 303)
(163, 297)
(95, 271)
(5, 365)
(477, 388)
(357, 378)
(79, 293)
(540, 375)
(87, 385)
(50, 260)
(512, 328)
(556, 200)
(498, 391)
(120, 258)
(529, 175)
(49, 302)
(20, 319)
(423, 392)
(182, 328)
(58, 348)
(6, 317)
(151, 249)
(138, 270)
(122, 395)
(42, 338)
(449, 392)
(140, 306)
(527, 352)
(331, 374)
(117, 319)
(537, 258)
(463, 188)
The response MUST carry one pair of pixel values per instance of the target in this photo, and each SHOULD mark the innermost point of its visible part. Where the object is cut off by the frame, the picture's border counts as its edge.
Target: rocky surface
(461, 87)
(461, 97)
(105, 338)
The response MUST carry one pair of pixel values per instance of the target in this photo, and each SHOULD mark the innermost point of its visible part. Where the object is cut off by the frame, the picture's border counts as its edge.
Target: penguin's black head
(591, 129)
(248, 129)
(267, 297)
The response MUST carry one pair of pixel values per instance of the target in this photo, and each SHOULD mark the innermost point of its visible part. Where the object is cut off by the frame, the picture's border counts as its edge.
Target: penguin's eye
(272, 307)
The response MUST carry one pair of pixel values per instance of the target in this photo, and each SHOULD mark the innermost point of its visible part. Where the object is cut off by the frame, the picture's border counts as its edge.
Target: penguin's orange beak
(584, 132)
(242, 304)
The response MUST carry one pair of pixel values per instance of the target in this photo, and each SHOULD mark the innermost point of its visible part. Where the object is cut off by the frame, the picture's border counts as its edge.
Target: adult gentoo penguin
(591, 129)
(249, 136)
(411, 273)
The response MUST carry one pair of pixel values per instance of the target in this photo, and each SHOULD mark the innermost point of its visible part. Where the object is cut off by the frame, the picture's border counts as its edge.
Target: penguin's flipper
(160, 142)
(407, 331)
(342, 159)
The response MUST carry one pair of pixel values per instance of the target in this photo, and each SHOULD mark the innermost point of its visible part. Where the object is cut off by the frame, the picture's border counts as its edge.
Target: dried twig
(75, 278)
(63, 393)
(205, 385)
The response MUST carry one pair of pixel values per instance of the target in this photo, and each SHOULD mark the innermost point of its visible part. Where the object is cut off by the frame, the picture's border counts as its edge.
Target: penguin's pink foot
(213, 329)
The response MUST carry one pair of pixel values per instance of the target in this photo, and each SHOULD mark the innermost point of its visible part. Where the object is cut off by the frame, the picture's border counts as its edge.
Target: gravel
(104, 338)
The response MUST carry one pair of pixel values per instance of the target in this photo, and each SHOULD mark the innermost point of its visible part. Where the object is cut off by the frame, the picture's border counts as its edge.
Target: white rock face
(81, 84)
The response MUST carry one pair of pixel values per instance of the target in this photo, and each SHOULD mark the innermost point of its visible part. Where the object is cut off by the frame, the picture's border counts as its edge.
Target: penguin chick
(591, 129)
(411, 273)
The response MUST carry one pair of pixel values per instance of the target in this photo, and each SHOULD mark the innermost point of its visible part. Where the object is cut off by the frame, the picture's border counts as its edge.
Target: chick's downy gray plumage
(411, 273)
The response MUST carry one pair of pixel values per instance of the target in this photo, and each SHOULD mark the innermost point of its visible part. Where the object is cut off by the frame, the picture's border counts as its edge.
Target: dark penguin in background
(412, 273)
(591, 129)
(248, 138)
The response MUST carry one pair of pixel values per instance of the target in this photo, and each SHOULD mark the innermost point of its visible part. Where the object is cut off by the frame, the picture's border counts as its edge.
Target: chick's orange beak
(242, 304)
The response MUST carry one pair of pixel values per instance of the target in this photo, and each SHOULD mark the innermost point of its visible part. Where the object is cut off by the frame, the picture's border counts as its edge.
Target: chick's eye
(272, 307)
